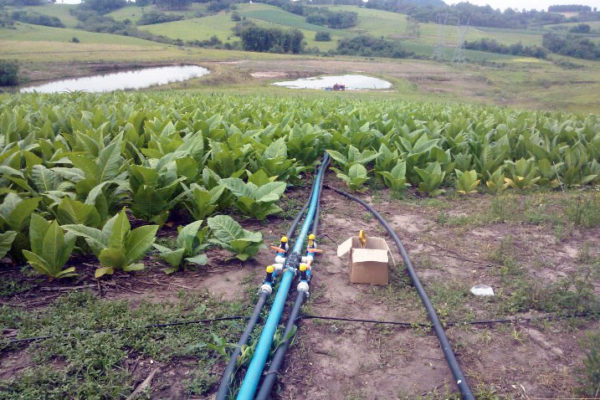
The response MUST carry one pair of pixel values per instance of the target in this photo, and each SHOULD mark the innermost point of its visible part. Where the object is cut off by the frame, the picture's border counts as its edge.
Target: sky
(528, 4)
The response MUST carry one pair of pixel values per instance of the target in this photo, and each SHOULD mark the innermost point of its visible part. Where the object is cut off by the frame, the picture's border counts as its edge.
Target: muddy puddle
(349, 82)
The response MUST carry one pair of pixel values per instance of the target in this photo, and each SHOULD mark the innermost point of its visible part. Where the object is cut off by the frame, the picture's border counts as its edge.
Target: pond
(351, 82)
(135, 79)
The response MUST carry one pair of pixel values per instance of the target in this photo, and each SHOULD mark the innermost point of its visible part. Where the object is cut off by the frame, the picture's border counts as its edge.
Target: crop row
(69, 164)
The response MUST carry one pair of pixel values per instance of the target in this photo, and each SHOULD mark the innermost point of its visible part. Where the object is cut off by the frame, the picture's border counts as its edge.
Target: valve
(267, 286)
(284, 243)
(303, 272)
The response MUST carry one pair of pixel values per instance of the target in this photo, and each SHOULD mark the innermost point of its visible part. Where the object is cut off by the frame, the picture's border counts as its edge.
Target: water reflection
(136, 79)
(351, 82)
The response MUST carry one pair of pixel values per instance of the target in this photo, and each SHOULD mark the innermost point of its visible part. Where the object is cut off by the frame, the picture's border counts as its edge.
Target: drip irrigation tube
(257, 364)
(277, 360)
(228, 373)
(403, 324)
(459, 377)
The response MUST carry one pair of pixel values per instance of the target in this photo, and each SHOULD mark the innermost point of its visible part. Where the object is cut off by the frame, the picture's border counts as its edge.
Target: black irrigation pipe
(114, 330)
(278, 357)
(413, 325)
(459, 377)
(229, 372)
(301, 317)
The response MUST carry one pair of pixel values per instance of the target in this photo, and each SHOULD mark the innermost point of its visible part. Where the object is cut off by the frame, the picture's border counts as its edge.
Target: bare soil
(337, 360)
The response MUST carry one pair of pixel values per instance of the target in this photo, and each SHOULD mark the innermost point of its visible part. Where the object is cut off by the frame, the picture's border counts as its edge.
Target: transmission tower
(438, 50)
(461, 34)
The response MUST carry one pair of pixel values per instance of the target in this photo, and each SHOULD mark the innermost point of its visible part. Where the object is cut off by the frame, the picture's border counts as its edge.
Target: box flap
(344, 248)
(377, 243)
(367, 255)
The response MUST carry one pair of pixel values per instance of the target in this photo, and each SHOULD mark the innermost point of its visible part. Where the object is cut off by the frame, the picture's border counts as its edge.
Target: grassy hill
(199, 25)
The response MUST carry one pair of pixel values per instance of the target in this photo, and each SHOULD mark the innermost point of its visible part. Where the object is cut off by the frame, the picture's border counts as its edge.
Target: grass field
(28, 32)
(60, 11)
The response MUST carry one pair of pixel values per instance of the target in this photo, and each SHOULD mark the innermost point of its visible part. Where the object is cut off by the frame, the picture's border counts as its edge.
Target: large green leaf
(93, 237)
(139, 241)
(6, 240)
(270, 192)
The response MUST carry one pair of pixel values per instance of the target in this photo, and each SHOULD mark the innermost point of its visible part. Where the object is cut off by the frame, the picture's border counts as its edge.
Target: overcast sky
(528, 4)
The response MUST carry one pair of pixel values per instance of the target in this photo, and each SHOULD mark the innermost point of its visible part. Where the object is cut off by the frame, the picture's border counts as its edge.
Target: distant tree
(103, 6)
(275, 40)
(322, 36)
(581, 28)
(571, 45)
(369, 46)
(9, 73)
(569, 8)
(173, 4)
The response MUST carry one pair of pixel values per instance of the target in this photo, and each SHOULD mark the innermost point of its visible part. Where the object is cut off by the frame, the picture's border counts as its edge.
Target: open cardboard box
(368, 264)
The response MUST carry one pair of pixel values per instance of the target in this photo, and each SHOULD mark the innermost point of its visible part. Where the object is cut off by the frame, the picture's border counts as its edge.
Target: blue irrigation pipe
(257, 365)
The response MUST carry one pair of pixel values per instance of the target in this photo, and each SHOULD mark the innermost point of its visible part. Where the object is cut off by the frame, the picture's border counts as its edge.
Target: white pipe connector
(303, 287)
(266, 288)
(279, 259)
(278, 266)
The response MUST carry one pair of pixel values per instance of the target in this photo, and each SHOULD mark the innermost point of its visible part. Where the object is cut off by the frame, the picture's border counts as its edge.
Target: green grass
(28, 32)
(91, 364)
(196, 28)
(60, 11)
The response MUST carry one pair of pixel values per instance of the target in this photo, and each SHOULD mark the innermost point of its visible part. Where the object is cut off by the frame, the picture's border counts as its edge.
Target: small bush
(155, 17)
(75, 39)
(322, 37)
(590, 381)
(9, 73)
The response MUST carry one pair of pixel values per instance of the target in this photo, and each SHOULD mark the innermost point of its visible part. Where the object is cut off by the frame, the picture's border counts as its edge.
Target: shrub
(155, 17)
(368, 46)
(75, 39)
(322, 37)
(9, 73)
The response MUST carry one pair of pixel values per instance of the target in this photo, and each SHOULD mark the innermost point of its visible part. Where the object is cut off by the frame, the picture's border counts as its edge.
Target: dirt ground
(338, 360)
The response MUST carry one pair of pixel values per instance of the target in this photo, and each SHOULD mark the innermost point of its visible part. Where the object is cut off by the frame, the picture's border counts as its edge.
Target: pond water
(135, 79)
(352, 82)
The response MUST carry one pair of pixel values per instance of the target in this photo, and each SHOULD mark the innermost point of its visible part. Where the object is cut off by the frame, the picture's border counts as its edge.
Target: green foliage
(354, 174)
(200, 202)
(466, 182)
(9, 73)
(257, 197)
(590, 380)
(523, 174)
(369, 46)
(116, 245)
(14, 219)
(431, 178)
(50, 248)
(322, 36)
(229, 235)
(191, 240)
(152, 191)
(395, 179)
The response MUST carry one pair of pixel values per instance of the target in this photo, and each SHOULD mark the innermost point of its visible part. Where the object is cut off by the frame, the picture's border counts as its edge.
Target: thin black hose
(459, 377)
(516, 320)
(229, 372)
(112, 330)
(277, 360)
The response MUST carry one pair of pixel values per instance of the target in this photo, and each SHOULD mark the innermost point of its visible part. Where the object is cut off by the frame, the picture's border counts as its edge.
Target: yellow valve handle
(362, 236)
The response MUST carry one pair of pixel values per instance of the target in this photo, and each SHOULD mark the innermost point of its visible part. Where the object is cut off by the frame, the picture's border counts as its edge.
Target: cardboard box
(368, 264)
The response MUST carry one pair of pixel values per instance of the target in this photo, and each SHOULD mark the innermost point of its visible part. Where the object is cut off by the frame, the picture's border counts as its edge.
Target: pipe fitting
(303, 287)
(266, 288)
(279, 259)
